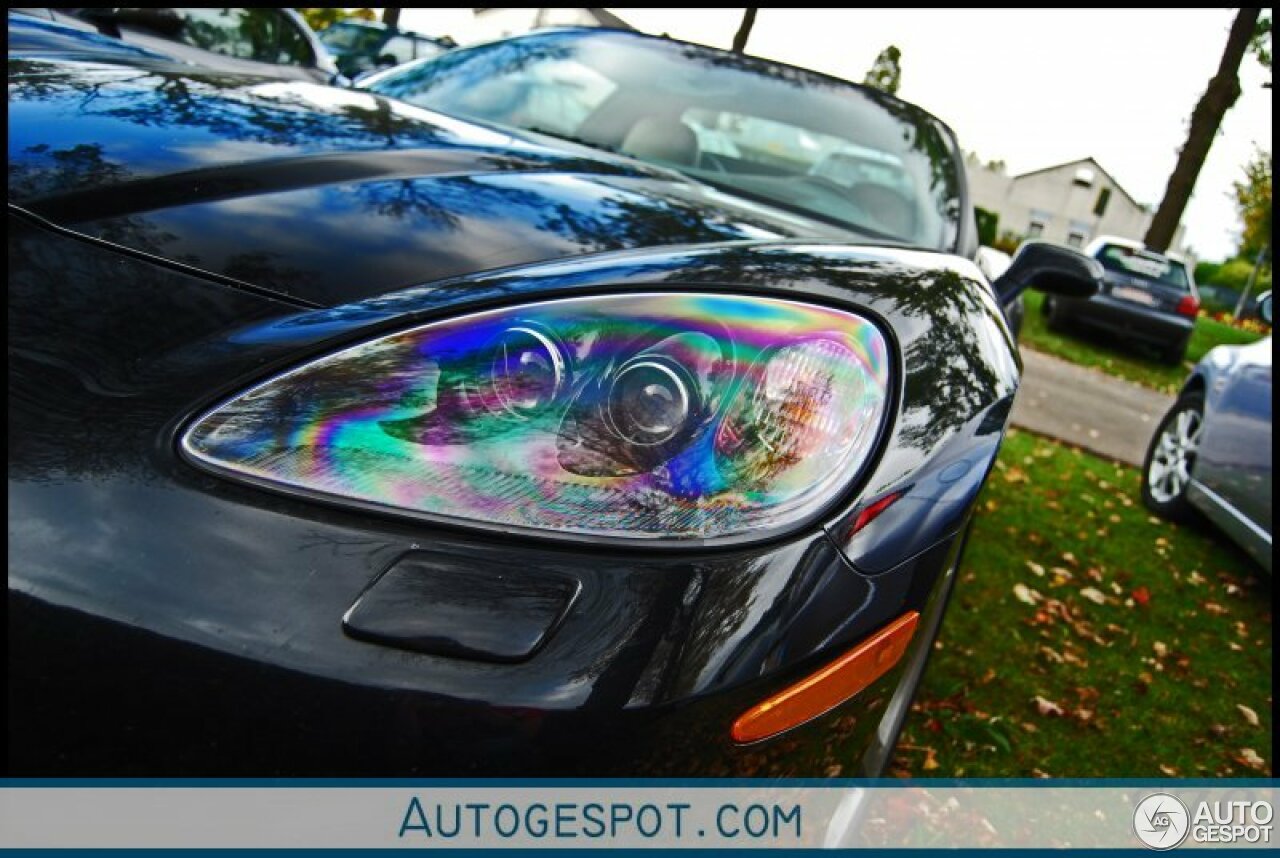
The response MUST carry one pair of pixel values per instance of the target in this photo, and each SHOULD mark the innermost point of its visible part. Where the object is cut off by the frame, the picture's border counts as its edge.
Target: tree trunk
(391, 17)
(1222, 93)
(740, 38)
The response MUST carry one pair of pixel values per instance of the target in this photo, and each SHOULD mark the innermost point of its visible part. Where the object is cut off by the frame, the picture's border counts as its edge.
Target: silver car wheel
(1170, 469)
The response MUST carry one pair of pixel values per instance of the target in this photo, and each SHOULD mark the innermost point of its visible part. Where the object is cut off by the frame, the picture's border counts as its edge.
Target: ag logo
(1161, 821)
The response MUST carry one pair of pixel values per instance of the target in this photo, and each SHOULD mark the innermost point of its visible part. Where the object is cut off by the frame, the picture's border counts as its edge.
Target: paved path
(1087, 408)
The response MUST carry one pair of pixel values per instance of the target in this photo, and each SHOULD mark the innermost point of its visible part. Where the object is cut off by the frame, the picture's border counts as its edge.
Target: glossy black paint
(215, 171)
(166, 621)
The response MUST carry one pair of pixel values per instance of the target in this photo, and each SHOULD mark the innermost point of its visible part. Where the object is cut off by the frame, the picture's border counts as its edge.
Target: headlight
(656, 416)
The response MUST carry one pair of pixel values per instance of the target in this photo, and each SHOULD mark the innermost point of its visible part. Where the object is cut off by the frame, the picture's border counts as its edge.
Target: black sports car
(347, 436)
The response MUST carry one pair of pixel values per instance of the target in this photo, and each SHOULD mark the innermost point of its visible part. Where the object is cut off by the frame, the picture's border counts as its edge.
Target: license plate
(1137, 296)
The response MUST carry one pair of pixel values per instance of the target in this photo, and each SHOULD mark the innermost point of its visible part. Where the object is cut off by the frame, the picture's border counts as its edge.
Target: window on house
(1104, 197)
(1038, 222)
(1077, 233)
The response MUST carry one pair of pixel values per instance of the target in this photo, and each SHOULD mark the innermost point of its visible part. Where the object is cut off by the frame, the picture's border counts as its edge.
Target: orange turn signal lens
(829, 687)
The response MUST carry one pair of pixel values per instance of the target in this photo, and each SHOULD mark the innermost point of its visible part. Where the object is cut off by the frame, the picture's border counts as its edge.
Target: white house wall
(1053, 198)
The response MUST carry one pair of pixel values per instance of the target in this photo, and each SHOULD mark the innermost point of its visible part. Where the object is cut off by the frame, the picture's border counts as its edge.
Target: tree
(1253, 199)
(318, 19)
(1223, 90)
(391, 17)
(1260, 44)
(886, 72)
(744, 31)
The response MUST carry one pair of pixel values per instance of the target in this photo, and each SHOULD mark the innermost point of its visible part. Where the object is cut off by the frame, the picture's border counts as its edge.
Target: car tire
(1166, 470)
(1174, 355)
(1055, 317)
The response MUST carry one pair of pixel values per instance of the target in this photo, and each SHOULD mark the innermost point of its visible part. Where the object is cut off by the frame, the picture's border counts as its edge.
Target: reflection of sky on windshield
(755, 128)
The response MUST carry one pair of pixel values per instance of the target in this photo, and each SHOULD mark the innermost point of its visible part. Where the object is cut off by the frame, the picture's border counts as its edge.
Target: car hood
(327, 195)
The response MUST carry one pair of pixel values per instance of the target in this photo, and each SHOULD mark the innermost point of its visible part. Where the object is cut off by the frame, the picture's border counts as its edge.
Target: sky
(1030, 87)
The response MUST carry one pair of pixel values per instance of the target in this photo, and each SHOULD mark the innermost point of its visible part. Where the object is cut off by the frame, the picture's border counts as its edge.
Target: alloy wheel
(1173, 456)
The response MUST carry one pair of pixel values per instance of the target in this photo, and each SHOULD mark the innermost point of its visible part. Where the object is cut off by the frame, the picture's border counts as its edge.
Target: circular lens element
(528, 371)
(650, 402)
(809, 404)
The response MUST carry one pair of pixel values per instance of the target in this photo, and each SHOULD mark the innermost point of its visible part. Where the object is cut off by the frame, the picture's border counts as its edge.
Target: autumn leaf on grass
(1094, 595)
(1214, 608)
(1047, 707)
(1142, 596)
(1160, 649)
(1025, 594)
(1249, 714)
(930, 760)
(1249, 757)
(1036, 569)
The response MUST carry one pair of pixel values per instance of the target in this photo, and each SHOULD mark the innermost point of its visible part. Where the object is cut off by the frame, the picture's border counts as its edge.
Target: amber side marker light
(821, 692)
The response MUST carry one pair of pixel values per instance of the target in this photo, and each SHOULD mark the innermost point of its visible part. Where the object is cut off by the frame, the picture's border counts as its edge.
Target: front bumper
(163, 621)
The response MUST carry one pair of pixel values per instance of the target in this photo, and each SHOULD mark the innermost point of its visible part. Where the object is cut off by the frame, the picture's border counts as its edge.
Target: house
(1067, 203)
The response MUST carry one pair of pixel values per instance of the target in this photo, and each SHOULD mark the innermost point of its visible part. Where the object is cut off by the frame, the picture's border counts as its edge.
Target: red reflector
(869, 513)
(1188, 306)
(829, 687)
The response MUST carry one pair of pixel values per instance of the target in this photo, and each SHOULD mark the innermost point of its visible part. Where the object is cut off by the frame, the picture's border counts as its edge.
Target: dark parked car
(1212, 452)
(364, 46)
(1146, 297)
(347, 437)
(269, 42)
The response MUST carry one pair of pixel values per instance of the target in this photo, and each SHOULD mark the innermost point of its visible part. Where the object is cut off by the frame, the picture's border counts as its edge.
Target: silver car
(1212, 451)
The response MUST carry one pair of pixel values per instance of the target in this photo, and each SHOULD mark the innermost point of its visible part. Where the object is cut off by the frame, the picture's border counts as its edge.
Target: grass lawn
(1086, 638)
(1132, 364)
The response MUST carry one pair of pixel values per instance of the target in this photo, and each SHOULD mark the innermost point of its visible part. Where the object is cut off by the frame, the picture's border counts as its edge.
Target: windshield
(1145, 265)
(793, 138)
(350, 38)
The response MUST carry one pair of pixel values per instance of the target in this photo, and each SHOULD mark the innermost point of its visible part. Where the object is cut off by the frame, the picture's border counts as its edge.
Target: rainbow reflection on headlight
(656, 416)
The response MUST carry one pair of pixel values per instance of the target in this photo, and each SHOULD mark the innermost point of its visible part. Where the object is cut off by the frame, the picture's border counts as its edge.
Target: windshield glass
(793, 138)
(350, 38)
(1144, 265)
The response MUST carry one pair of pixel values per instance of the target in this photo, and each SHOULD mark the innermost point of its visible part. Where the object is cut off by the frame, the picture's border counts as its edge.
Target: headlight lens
(657, 416)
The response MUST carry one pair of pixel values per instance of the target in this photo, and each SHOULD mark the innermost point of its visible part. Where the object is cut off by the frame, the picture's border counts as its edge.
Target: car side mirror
(1264, 306)
(1050, 268)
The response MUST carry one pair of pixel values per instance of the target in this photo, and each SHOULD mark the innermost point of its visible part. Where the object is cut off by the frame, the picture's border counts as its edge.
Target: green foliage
(1086, 638)
(1205, 271)
(1261, 42)
(987, 223)
(886, 72)
(318, 19)
(1007, 242)
(1232, 274)
(1253, 200)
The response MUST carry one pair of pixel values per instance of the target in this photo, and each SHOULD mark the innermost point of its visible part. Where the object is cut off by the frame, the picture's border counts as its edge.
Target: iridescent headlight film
(654, 416)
